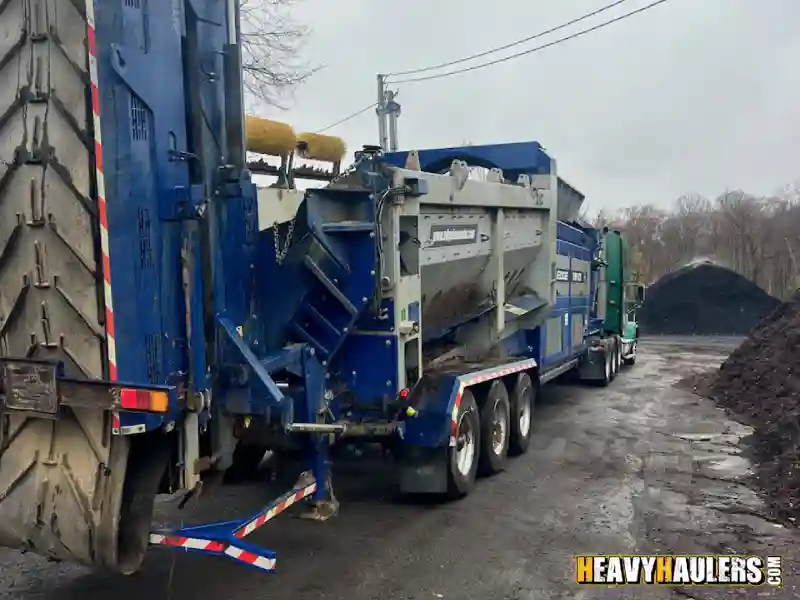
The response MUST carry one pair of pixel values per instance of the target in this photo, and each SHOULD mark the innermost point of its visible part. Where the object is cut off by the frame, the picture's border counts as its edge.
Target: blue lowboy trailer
(163, 321)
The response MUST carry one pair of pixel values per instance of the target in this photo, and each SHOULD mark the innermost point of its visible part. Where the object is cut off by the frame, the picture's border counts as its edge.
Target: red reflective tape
(95, 99)
(109, 322)
(102, 212)
(92, 41)
(216, 547)
(248, 557)
(107, 268)
(174, 541)
(98, 156)
(453, 419)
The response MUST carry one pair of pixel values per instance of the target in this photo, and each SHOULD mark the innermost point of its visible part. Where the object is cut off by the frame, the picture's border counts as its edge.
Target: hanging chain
(347, 172)
(280, 254)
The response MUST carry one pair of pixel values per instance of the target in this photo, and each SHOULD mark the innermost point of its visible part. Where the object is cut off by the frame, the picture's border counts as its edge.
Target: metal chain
(280, 254)
(347, 172)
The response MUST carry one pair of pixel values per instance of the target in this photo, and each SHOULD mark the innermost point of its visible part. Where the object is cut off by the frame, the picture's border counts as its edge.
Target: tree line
(758, 237)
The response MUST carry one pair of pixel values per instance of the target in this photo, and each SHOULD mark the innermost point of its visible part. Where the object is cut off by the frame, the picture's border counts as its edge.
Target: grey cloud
(694, 95)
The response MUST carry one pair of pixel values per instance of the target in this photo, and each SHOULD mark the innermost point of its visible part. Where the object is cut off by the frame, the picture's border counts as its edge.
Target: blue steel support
(275, 395)
(317, 444)
(226, 538)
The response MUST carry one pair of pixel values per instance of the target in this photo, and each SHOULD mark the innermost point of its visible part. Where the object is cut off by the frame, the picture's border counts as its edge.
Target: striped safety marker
(484, 377)
(200, 545)
(277, 508)
(102, 209)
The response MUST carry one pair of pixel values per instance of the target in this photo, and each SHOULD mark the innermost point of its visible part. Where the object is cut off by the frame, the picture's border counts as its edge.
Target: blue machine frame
(197, 308)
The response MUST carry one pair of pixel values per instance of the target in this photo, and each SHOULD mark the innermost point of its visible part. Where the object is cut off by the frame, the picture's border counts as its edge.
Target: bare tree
(272, 42)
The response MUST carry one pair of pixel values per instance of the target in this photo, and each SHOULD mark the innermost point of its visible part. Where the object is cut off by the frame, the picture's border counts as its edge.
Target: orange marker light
(144, 400)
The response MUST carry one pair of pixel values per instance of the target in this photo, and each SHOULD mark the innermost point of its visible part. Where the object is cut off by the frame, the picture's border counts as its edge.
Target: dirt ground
(759, 383)
(704, 299)
(637, 467)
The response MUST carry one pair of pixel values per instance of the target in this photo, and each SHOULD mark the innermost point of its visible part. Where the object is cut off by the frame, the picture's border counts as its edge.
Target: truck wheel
(631, 360)
(607, 368)
(616, 359)
(463, 457)
(495, 429)
(523, 397)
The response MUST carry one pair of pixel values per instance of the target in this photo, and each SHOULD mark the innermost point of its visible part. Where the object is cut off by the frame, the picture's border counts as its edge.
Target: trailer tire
(461, 474)
(495, 429)
(523, 402)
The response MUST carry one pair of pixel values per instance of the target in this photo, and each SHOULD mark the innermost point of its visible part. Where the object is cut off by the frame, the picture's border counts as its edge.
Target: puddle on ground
(724, 466)
(698, 437)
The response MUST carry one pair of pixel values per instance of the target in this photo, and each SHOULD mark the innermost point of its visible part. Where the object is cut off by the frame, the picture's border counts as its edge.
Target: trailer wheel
(523, 398)
(463, 457)
(495, 429)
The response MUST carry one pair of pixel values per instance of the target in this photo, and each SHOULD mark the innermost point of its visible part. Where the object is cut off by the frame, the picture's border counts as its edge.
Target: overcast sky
(690, 96)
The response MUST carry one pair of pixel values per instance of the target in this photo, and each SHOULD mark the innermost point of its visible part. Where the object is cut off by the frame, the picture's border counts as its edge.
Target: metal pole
(393, 110)
(234, 88)
(381, 112)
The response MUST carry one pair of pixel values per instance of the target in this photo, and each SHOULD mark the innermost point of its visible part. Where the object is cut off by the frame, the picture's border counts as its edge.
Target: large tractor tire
(68, 488)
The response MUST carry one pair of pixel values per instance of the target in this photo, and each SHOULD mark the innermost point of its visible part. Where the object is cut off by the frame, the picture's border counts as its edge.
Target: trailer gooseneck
(164, 321)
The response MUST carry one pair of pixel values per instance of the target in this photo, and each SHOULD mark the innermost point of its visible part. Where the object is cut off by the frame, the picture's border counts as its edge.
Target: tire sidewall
(460, 484)
(493, 462)
(608, 374)
(517, 443)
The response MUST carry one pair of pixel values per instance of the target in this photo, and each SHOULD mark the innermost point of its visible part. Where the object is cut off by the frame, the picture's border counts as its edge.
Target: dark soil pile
(704, 299)
(760, 383)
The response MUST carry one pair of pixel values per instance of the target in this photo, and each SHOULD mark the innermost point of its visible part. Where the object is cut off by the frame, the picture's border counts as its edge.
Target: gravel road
(636, 467)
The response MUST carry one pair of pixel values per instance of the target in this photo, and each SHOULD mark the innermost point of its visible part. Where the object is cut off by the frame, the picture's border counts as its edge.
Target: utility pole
(383, 139)
(387, 107)
(393, 110)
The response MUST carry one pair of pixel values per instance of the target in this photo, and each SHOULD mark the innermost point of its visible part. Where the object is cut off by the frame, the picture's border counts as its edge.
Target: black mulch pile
(760, 384)
(704, 299)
